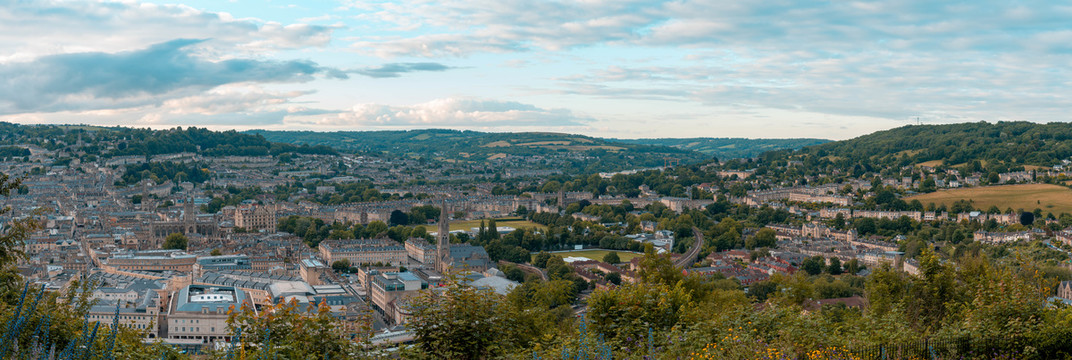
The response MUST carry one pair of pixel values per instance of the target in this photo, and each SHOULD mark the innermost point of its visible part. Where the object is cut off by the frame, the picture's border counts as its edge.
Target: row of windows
(196, 329)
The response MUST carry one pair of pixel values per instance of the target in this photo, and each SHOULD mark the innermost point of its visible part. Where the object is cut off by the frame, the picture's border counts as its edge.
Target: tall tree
(12, 235)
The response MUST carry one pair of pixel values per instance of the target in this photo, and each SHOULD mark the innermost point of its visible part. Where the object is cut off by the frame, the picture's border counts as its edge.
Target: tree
(399, 218)
(765, 237)
(852, 266)
(176, 241)
(1027, 218)
(813, 265)
(657, 268)
(216, 252)
(463, 322)
(515, 274)
(12, 235)
(296, 332)
(631, 310)
(540, 260)
(493, 231)
(341, 265)
(614, 278)
(835, 266)
(611, 258)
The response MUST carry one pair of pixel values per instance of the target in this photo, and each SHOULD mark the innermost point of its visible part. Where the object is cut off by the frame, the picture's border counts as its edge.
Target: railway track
(690, 256)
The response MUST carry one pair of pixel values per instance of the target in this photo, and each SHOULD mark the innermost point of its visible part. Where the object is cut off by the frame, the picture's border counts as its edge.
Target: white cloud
(30, 29)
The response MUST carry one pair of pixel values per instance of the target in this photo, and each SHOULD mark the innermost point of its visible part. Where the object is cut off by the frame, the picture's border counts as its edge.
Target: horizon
(609, 69)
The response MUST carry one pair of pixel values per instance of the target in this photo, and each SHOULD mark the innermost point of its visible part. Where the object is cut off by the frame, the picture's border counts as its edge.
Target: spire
(443, 258)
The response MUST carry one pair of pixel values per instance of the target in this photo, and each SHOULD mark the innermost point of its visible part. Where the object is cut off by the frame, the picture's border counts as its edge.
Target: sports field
(1049, 198)
(514, 222)
(597, 255)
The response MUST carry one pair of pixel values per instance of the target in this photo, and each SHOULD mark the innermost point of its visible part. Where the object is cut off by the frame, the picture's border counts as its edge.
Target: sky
(608, 68)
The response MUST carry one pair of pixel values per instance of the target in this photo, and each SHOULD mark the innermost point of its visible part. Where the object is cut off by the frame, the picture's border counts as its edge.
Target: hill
(566, 152)
(729, 148)
(120, 141)
(998, 146)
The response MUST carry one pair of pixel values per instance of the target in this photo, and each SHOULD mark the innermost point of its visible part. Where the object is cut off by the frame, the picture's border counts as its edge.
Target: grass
(932, 163)
(598, 255)
(1050, 198)
(514, 222)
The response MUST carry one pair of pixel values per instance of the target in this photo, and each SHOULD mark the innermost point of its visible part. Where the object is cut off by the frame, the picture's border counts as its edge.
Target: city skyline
(623, 69)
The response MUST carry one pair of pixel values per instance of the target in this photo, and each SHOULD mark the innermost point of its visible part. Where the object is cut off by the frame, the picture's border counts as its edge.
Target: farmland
(1050, 198)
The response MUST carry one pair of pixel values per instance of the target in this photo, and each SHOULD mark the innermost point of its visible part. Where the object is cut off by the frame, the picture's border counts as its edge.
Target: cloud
(34, 28)
(397, 69)
(887, 85)
(95, 80)
(463, 27)
(453, 112)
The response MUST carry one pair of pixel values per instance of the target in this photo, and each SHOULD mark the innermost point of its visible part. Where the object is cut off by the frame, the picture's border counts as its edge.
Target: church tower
(189, 216)
(443, 258)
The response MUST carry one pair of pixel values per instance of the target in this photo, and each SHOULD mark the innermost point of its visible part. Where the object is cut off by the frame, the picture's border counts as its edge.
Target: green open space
(514, 222)
(625, 256)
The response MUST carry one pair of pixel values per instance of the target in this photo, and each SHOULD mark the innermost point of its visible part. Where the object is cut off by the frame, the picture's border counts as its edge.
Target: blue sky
(610, 68)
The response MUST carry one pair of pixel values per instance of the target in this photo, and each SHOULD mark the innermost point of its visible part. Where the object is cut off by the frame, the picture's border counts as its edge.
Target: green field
(514, 222)
(1050, 198)
(598, 255)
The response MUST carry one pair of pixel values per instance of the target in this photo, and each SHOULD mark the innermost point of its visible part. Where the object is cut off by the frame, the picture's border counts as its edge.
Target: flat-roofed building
(225, 262)
(388, 291)
(153, 260)
(199, 312)
(310, 270)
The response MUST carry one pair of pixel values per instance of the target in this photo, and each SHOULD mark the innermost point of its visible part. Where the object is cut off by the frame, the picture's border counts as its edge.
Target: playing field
(514, 222)
(597, 255)
(1049, 198)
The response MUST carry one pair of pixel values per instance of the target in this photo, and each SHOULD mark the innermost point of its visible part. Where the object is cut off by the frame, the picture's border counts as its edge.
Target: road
(690, 256)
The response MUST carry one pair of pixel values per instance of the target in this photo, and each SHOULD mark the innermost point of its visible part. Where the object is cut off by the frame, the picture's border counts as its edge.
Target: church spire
(443, 258)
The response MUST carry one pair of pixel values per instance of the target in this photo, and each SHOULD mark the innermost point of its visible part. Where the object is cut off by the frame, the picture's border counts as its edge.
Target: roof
(501, 286)
(195, 298)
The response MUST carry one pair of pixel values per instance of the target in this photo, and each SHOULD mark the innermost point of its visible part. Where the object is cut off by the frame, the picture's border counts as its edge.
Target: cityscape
(535, 180)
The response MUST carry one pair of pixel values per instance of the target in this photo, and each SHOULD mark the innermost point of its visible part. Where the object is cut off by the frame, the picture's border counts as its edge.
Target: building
(310, 270)
(1064, 290)
(387, 290)
(466, 257)
(153, 260)
(1001, 237)
(191, 224)
(199, 312)
(364, 251)
(421, 251)
(138, 300)
(255, 217)
(225, 262)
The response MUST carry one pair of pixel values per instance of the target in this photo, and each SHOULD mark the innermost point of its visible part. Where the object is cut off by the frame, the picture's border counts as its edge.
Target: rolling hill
(729, 148)
(567, 152)
(996, 146)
